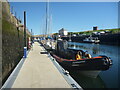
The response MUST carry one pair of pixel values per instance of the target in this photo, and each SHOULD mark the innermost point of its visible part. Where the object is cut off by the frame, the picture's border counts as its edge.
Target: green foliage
(12, 46)
(113, 31)
(55, 34)
(8, 27)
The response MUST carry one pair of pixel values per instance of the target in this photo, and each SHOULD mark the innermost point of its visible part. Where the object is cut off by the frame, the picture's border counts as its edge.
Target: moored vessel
(91, 40)
(85, 64)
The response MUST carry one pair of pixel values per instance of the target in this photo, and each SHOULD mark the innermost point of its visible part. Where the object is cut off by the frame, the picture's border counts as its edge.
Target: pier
(37, 71)
(35, 54)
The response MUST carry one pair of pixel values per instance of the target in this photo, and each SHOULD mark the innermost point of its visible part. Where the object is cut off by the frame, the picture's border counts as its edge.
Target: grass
(113, 31)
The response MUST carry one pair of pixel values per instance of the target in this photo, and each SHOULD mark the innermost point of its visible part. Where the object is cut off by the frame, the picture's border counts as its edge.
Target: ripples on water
(106, 79)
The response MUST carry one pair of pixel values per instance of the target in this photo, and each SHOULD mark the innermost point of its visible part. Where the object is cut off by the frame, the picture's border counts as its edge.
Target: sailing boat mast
(47, 17)
(50, 25)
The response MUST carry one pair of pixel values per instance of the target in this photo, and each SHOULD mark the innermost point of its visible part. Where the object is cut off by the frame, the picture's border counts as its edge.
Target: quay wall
(12, 41)
(110, 39)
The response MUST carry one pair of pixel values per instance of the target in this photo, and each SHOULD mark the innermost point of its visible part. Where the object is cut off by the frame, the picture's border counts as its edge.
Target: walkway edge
(9, 82)
(65, 73)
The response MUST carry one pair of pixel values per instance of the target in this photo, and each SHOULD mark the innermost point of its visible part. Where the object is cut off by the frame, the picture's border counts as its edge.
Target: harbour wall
(12, 41)
(110, 39)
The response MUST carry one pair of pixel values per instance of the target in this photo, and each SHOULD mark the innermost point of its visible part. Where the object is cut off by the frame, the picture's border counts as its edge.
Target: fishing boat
(91, 40)
(88, 66)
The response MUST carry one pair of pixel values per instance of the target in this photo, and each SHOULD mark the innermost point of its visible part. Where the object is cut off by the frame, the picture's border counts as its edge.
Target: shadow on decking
(40, 45)
(43, 52)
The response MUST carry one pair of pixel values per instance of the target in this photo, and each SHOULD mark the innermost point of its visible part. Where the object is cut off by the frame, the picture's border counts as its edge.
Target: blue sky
(73, 16)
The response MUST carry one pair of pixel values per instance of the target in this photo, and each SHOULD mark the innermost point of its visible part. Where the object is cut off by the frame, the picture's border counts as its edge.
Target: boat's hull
(47, 47)
(83, 69)
(91, 41)
(96, 63)
(87, 65)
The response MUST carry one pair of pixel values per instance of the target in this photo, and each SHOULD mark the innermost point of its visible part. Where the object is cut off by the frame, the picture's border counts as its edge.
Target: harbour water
(106, 79)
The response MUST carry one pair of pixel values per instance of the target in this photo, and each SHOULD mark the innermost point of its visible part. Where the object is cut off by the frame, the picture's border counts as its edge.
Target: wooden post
(31, 36)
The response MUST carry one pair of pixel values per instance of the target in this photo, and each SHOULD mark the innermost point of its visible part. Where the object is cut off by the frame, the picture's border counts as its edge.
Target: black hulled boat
(87, 65)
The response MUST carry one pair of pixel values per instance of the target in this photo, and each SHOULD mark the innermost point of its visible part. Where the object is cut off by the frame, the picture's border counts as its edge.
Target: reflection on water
(87, 82)
(107, 78)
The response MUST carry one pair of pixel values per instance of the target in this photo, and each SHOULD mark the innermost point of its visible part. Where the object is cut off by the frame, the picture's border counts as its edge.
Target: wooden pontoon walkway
(39, 72)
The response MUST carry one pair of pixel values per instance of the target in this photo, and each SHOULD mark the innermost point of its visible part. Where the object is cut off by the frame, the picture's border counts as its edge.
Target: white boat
(91, 40)
(49, 45)
(70, 40)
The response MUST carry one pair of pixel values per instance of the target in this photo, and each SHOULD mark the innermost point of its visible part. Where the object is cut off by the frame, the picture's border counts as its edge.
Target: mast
(47, 17)
(50, 24)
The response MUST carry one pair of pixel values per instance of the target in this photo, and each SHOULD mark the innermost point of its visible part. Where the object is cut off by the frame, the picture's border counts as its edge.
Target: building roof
(62, 29)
